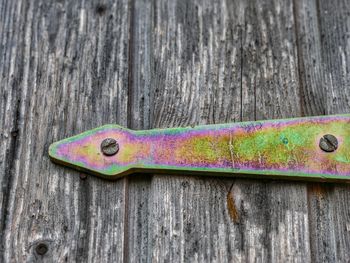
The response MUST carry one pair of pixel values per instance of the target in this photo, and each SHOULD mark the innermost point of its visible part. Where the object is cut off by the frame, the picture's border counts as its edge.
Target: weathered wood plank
(214, 62)
(324, 30)
(181, 42)
(189, 221)
(270, 87)
(66, 67)
(140, 99)
(9, 107)
(67, 62)
(198, 82)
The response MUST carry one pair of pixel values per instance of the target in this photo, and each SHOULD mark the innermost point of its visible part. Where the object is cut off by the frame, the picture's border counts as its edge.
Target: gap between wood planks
(131, 22)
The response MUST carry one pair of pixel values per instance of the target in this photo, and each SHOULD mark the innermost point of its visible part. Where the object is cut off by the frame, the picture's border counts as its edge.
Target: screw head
(41, 249)
(109, 147)
(328, 143)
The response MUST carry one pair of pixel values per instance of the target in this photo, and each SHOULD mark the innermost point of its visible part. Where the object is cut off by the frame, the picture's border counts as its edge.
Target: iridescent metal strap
(313, 148)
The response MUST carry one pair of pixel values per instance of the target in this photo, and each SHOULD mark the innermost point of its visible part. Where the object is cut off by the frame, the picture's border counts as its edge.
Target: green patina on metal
(286, 148)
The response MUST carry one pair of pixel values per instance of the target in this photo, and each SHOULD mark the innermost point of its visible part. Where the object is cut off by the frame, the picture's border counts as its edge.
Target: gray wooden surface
(68, 66)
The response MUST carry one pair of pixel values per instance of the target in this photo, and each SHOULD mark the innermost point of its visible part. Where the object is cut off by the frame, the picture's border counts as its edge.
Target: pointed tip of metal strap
(98, 151)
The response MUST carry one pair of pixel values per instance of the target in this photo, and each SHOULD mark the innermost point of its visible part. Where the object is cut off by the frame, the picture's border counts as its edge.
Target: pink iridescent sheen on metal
(286, 149)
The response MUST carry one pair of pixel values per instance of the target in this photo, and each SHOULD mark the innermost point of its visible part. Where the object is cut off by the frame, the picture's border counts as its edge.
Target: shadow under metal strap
(313, 148)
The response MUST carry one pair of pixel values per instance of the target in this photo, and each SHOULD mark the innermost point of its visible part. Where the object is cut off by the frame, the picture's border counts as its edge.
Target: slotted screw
(109, 146)
(328, 143)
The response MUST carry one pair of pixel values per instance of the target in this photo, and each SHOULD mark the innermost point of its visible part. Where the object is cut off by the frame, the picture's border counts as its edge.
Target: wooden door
(69, 66)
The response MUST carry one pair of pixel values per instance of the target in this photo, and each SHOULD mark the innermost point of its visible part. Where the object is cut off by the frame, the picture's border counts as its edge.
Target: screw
(41, 249)
(328, 143)
(109, 147)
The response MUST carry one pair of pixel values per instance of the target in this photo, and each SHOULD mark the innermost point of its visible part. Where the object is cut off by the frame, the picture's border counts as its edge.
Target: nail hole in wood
(41, 249)
(100, 9)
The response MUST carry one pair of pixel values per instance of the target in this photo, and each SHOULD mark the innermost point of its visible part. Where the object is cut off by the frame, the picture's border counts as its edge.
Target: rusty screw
(328, 143)
(109, 147)
(41, 249)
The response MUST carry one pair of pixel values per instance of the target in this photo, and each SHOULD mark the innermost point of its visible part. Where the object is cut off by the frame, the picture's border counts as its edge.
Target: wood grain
(231, 61)
(64, 70)
(198, 82)
(324, 43)
(68, 66)
(270, 81)
(140, 99)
